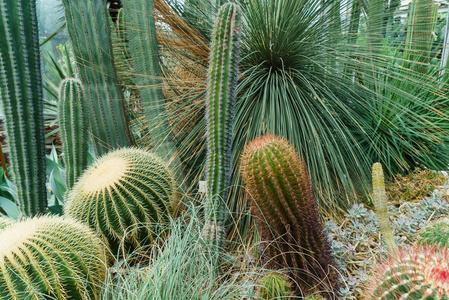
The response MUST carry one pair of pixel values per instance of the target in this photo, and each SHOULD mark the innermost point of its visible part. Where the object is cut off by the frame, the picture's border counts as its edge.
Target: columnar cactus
(220, 103)
(73, 122)
(21, 96)
(282, 199)
(127, 196)
(50, 258)
(274, 285)
(380, 206)
(418, 273)
(88, 26)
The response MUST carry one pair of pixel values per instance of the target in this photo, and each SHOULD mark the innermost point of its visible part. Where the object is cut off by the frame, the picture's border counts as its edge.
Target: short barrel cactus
(421, 272)
(436, 234)
(282, 199)
(127, 196)
(275, 285)
(5, 222)
(50, 258)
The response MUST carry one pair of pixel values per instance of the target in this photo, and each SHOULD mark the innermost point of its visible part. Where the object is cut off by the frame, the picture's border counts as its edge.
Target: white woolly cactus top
(106, 172)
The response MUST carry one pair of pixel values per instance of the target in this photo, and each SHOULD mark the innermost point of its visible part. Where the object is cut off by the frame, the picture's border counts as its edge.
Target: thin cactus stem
(380, 206)
(73, 122)
(220, 102)
(21, 95)
(143, 47)
(88, 26)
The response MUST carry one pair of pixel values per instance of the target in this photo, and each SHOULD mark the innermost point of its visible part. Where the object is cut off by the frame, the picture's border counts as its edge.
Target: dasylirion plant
(88, 26)
(421, 272)
(73, 122)
(50, 258)
(127, 196)
(21, 96)
(282, 199)
(220, 107)
(436, 234)
(380, 206)
(274, 285)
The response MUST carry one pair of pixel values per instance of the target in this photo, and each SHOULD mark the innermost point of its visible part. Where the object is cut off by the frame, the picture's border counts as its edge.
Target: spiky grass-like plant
(421, 272)
(282, 198)
(127, 196)
(50, 258)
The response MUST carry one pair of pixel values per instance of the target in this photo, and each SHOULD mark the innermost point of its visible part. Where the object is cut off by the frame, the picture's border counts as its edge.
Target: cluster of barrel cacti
(282, 199)
(421, 272)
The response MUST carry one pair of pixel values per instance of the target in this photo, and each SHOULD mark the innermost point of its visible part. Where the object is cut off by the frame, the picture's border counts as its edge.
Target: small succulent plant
(436, 234)
(421, 272)
(275, 285)
(127, 196)
(50, 258)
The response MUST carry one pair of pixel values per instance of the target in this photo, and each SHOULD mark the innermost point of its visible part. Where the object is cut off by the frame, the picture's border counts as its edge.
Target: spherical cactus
(436, 234)
(5, 222)
(275, 285)
(282, 199)
(127, 196)
(421, 272)
(50, 258)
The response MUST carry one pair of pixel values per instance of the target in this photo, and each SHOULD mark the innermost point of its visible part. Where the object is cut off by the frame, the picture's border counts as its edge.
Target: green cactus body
(5, 222)
(380, 206)
(275, 285)
(281, 197)
(88, 26)
(220, 103)
(21, 96)
(50, 258)
(127, 196)
(436, 234)
(73, 122)
(417, 273)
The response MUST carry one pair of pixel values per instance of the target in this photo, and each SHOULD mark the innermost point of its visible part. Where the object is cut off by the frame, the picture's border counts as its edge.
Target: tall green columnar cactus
(220, 102)
(50, 258)
(88, 26)
(21, 95)
(417, 273)
(73, 122)
(282, 199)
(380, 205)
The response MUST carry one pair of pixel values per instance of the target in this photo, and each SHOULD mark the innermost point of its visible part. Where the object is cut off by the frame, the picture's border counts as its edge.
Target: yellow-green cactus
(50, 258)
(275, 285)
(127, 196)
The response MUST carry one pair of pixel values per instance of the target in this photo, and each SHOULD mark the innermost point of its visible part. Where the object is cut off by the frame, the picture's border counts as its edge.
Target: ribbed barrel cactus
(50, 258)
(282, 199)
(436, 234)
(275, 285)
(5, 222)
(421, 272)
(127, 196)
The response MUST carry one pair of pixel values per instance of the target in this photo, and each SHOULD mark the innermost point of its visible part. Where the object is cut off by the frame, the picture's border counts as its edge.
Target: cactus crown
(51, 257)
(275, 285)
(282, 199)
(127, 196)
(419, 273)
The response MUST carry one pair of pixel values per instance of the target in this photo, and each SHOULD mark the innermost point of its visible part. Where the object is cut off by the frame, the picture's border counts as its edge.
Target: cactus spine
(127, 196)
(418, 273)
(88, 26)
(73, 124)
(50, 258)
(220, 102)
(282, 199)
(21, 95)
(380, 206)
(5, 222)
